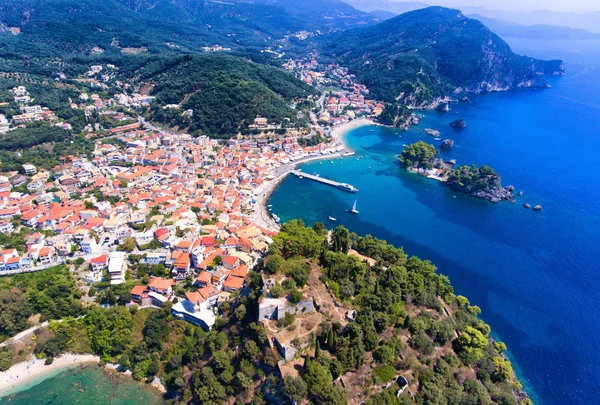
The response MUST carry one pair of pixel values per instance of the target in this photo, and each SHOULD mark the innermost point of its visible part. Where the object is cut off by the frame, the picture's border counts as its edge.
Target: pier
(341, 186)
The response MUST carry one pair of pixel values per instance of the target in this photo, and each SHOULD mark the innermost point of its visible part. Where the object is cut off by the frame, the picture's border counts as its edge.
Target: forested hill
(48, 28)
(428, 53)
(224, 93)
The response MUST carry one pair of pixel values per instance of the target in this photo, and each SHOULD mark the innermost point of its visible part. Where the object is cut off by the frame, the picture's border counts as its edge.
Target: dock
(341, 186)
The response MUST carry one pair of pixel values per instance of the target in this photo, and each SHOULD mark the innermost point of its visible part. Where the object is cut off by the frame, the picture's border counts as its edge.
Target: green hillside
(50, 28)
(225, 93)
(428, 53)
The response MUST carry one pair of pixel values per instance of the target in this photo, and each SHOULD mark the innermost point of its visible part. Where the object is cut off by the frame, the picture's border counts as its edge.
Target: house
(197, 299)
(241, 271)
(210, 294)
(233, 284)
(186, 310)
(138, 293)
(29, 218)
(218, 277)
(161, 286)
(99, 263)
(181, 267)
(203, 279)
(231, 262)
(6, 227)
(117, 267)
(46, 255)
(88, 245)
(156, 257)
(29, 169)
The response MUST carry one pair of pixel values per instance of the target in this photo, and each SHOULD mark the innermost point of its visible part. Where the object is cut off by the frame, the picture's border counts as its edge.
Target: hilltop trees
(419, 155)
(384, 294)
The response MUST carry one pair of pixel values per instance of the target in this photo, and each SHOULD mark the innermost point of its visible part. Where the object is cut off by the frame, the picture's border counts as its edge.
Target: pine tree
(317, 350)
(331, 339)
(306, 361)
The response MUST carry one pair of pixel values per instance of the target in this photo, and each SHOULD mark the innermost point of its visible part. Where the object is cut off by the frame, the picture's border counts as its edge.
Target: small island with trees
(483, 182)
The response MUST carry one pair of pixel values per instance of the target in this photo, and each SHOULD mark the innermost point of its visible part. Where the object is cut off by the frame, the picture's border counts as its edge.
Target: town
(188, 210)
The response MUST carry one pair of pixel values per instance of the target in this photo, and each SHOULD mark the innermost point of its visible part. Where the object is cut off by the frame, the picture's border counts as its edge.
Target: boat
(332, 218)
(356, 158)
(331, 162)
(270, 205)
(353, 210)
(320, 163)
(347, 187)
(276, 218)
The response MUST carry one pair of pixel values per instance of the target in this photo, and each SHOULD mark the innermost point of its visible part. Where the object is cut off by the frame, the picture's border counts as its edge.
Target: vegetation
(421, 56)
(225, 93)
(51, 28)
(482, 182)
(51, 293)
(419, 155)
(398, 296)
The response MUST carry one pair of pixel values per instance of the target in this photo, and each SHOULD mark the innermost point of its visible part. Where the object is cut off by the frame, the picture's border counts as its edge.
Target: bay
(88, 385)
(534, 274)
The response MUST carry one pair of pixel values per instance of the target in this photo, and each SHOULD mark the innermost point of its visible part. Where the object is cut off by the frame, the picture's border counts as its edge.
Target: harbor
(342, 186)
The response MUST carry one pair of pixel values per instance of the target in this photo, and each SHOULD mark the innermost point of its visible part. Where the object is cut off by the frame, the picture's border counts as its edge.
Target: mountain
(586, 21)
(66, 27)
(423, 55)
(507, 29)
(220, 94)
(382, 14)
(386, 5)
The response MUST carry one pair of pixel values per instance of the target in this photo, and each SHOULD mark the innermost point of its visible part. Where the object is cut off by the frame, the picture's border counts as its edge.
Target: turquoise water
(86, 386)
(535, 275)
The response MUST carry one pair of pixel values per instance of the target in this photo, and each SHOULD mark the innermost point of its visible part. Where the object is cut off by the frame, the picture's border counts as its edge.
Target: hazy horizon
(575, 6)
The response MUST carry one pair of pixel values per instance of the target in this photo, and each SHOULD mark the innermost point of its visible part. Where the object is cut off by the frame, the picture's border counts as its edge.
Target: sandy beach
(261, 216)
(338, 132)
(34, 371)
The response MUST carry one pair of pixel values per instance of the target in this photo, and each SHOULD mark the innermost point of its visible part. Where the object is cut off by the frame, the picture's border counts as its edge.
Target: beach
(260, 215)
(27, 374)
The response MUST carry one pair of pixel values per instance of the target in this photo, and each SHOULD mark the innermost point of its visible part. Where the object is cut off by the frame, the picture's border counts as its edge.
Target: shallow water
(89, 386)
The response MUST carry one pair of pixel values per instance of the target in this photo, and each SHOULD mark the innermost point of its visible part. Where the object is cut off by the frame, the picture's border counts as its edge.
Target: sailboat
(332, 218)
(353, 210)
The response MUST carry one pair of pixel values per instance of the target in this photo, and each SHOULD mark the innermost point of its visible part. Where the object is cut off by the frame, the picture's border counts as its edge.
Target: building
(161, 286)
(99, 263)
(186, 310)
(233, 284)
(117, 267)
(6, 227)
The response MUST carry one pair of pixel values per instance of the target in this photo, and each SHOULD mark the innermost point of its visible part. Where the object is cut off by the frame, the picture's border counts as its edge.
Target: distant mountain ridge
(424, 55)
(539, 31)
(164, 26)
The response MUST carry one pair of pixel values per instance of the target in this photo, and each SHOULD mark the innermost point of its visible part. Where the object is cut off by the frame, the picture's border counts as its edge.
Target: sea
(86, 385)
(536, 275)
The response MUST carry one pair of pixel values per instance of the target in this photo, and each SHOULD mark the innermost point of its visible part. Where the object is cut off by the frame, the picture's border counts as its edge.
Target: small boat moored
(354, 209)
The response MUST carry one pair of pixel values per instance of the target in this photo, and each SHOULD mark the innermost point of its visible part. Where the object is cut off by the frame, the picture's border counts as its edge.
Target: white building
(117, 267)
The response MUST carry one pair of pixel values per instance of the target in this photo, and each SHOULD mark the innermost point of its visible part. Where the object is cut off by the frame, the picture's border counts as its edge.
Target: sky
(578, 6)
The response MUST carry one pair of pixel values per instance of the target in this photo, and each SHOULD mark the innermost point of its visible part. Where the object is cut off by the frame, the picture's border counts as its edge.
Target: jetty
(341, 186)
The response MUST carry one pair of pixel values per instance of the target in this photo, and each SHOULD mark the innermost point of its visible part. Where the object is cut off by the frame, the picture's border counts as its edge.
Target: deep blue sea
(536, 275)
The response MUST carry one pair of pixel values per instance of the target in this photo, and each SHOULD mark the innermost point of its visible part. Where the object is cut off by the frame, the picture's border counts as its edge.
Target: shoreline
(25, 375)
(260, 214)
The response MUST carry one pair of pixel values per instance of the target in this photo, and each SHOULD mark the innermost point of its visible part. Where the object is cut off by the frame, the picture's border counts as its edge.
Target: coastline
(22, 376)
(25, 375)
(260, 214)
